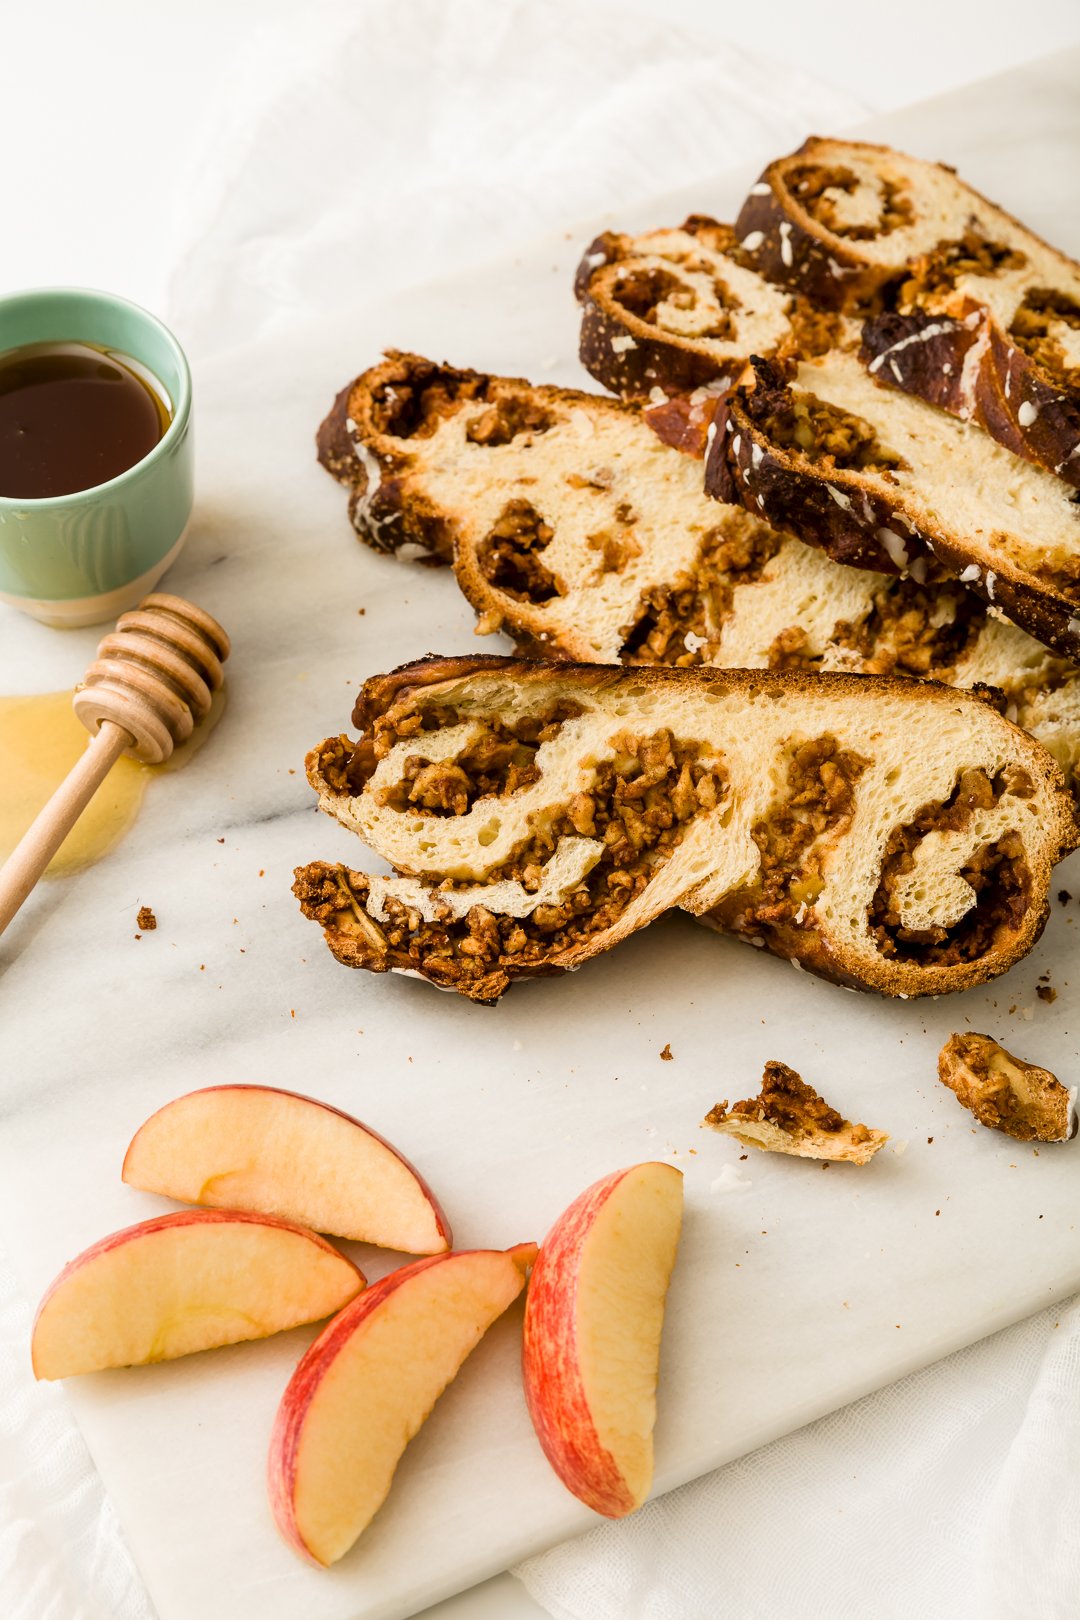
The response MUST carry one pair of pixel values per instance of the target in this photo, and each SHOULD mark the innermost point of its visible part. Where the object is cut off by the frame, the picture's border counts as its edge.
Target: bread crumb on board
(1004, 1092)
(146, 919)
(788, 1116)
(667, 1054)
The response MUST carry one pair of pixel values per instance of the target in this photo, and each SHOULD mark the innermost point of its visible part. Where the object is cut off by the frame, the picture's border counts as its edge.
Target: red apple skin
(441, 1221)
(183, 1217)
(553, 1386)
(305, 1381)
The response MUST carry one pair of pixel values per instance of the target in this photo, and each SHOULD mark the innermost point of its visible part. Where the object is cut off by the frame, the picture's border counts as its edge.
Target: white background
(104, 106)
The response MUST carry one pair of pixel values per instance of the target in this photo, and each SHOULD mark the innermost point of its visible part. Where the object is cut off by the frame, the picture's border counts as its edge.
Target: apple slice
(186, 1282)
(593, 1320)
(255, 1147)
(368, 1382)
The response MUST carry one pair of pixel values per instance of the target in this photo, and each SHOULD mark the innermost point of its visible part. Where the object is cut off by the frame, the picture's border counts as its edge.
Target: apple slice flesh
(185, 1282)
(259, 1148)
(593, 1321)
(367, 1384)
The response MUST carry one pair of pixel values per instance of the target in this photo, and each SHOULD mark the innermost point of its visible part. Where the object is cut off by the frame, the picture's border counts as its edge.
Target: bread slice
(671, 311)
(788, 1116)
(890, 835)
(878, 478)
(970, 310)
(639, 566)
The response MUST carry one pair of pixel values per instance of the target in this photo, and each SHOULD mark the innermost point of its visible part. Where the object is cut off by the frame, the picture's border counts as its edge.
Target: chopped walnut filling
(788, 1116)
(643, 290)
(509, 554)
(795, 839)
(814, 331)
(825, 434)
(637, 806)
(415, 409)
(1005, 1093)
(499, 761)
(817, 185)
(997, 872)
(1032, 330)
(506, 419)
(913, 629)
(679, 624)
(937, 272)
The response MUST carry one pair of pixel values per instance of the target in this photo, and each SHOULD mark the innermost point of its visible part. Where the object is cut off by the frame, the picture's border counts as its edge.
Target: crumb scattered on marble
(1064, 897)
(667, 1053)
(146, 919)
(1046, 992)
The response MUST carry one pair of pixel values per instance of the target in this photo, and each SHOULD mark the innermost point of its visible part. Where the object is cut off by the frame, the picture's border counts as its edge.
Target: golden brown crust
(1004, 1092)
(1015, 390)
(966, 365)
(788, 1116)
(631, 351)
(846, 510)
(366, 441)
(396, 704)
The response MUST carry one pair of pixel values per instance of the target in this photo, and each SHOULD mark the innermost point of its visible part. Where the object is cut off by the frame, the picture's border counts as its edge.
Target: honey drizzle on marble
(40, 740)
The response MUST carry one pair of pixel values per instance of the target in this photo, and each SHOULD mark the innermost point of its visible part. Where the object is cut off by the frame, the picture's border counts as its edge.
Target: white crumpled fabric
(365, 147)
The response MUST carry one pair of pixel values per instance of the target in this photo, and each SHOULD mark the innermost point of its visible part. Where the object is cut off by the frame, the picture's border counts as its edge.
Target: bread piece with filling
(1004, 1092)
(967, 308)
(788, 1116)
(595, 542)
(671, 311)
(877, 478)
(890, 835)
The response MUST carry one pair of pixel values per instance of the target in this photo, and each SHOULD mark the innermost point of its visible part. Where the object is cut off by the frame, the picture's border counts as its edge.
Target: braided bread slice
(878, 478)
(970, 310)
(890, 835)
(676, 310)
(595, 541)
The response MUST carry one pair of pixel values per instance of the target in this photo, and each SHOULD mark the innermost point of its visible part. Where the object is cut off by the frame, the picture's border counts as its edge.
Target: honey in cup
(73, 416)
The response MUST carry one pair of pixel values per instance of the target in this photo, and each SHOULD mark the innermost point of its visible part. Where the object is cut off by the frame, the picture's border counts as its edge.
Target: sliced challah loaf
(677, 310)
(890, 835)
(970, 310)
(877, 478)
(594, 541)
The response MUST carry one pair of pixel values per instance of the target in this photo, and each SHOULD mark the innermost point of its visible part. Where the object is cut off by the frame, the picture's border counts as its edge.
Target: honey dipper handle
(55, 820)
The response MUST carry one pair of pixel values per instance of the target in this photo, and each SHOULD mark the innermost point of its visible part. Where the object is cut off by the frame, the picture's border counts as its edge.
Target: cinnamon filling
(1032, 330)
(637, 807)
(816, 186)
(826, 435)
(937, 272)
(795, 838)
(641, 291)
(913, 629)
(509, 555)
(997, 872)
(416, 405)
(679, 624)
(507, 419)
(786, 1101)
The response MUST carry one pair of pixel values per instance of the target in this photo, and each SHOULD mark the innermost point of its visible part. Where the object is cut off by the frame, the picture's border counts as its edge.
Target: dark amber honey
(72, 416)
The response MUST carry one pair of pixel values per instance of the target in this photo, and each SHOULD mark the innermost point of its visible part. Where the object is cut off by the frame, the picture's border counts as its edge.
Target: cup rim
(181, 406)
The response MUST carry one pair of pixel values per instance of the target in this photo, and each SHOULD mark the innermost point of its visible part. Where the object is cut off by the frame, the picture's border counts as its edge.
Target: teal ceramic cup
(81, 559)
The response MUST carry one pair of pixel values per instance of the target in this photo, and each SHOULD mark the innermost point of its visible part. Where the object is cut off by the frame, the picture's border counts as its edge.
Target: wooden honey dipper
(152, 683)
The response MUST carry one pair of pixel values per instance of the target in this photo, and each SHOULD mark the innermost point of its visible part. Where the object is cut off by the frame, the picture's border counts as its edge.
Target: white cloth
(372, 145)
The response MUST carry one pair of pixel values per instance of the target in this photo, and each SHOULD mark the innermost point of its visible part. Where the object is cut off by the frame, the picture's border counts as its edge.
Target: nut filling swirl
(891, 834)
(635, 811)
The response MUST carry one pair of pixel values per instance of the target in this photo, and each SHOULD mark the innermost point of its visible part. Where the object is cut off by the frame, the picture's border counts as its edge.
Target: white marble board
(795, 1292)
